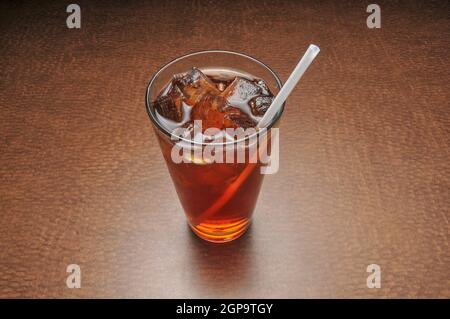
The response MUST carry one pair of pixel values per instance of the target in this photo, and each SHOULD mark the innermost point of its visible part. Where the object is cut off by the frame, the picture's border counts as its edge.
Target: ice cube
(210, 111)
(256, 94)
(241, 91)
(235, 118)
(260, 104)
(194, 85)
(169, 104)
(264, 88)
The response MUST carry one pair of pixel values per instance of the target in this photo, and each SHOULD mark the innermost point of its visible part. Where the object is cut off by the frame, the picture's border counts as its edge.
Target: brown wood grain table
(364, 153)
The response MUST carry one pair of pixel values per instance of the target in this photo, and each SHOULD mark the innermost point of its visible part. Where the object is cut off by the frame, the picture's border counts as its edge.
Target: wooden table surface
(364, 172)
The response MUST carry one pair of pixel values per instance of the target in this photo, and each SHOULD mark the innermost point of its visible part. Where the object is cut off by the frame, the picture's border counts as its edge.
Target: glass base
(221, 233)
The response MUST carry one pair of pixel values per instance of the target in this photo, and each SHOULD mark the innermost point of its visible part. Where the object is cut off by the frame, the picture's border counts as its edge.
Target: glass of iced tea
(204, 108)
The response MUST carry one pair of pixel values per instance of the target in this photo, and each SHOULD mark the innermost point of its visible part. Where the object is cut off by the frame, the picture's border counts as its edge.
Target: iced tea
(218, 197)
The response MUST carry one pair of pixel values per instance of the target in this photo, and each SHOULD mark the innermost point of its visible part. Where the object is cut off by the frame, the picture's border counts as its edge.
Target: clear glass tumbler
(218, 198)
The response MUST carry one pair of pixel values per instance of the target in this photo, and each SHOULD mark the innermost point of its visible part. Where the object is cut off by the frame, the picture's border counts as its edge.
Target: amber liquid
(218, 198)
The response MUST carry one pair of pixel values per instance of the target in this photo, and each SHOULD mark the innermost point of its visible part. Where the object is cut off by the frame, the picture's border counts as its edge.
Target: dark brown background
(365, 151)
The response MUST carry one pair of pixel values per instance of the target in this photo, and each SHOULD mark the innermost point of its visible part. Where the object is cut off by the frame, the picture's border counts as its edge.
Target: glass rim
(176, 137)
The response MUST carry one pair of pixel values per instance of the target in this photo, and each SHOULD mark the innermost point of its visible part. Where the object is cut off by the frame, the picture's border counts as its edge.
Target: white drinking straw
(291, 82)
